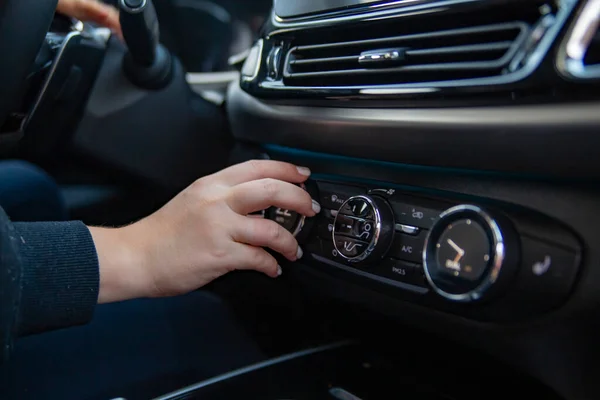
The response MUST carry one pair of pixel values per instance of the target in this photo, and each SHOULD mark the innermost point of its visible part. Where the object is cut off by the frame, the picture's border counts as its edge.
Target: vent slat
(410, 68)
(323, 60)
(492, 47)
(507, 27)
(483, 47)
(461, 53)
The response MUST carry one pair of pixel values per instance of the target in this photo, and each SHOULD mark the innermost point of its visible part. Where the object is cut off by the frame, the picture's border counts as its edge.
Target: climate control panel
(438, 251)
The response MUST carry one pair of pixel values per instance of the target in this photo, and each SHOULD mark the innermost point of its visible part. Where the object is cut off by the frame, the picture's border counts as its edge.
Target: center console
(350, 371)
(469, 256)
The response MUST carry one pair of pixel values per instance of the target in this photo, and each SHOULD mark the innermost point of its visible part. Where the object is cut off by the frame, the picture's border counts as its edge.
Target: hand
(204, 233)
(91, 11)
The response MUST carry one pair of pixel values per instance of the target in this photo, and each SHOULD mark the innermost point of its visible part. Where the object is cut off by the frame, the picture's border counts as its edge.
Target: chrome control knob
(363, 229)
(465, 255)
(297, 224)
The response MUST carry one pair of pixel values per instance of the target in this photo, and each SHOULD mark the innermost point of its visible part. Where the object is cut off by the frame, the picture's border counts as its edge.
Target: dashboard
(287, 9)
(453, 145)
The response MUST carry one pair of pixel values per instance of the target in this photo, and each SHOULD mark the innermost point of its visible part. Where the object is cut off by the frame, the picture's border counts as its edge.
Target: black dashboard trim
(553, 140)
(367, 12)
(401, 285)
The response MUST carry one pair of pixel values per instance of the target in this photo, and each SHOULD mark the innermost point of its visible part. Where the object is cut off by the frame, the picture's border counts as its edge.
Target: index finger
(261, 169)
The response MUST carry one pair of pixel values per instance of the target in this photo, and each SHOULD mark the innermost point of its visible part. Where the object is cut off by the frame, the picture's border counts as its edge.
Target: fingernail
(316, 207)
(279, 270)
(300, 253)
(303, 171)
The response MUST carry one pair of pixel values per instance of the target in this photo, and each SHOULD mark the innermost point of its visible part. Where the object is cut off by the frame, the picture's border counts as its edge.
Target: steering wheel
(23, 28)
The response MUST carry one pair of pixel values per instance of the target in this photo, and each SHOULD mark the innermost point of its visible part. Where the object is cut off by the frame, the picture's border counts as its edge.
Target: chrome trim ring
(300, 225)
(377, 232)
(571, 55)
(302, 220)
(497, 262)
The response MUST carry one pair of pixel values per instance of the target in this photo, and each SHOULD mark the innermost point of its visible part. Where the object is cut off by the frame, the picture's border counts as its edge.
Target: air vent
(445, 55)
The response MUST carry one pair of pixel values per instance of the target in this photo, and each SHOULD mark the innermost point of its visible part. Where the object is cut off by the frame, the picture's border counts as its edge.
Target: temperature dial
(297, 224)
(290, 220)
(465, 254)
(363, 229)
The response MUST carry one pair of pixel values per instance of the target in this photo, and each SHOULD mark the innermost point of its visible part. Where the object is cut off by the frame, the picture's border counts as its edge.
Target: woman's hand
(91, 11)
(204, 233)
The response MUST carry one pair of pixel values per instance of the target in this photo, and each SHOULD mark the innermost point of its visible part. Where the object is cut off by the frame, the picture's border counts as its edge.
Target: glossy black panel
(294, 8)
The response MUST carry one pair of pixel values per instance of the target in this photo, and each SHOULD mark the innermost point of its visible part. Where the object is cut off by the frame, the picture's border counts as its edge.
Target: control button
(364, 229)
(349, 247)
(412, 215)
(333, 196)
(409, 230)
(344, 225)
(401, 271)
(407, 247)
(547, 272)
(357, 228)
(397, 270)
(329, 214)
(325, 228)
(330, 252)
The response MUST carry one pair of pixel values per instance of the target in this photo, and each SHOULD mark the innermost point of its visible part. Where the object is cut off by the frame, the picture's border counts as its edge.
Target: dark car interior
(454, 149)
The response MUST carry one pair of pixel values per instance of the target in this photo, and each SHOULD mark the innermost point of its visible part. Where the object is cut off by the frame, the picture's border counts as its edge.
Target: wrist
(123, 269)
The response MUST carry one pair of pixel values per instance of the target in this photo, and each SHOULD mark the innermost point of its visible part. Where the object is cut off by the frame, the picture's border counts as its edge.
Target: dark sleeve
(53, 275)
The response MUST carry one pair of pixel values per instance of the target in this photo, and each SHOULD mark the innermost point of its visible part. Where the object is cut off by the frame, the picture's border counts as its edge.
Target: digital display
(296, 8)
(463, 250)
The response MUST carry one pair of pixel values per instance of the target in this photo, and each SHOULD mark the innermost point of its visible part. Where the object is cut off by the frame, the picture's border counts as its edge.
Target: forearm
(120, 255)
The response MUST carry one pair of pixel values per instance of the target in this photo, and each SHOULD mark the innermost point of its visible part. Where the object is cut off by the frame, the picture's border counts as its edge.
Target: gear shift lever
(147, 64)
